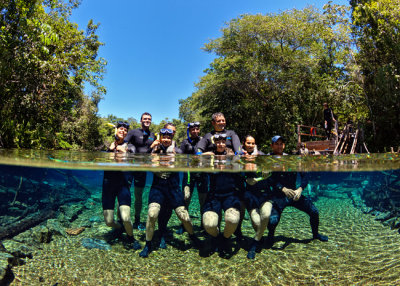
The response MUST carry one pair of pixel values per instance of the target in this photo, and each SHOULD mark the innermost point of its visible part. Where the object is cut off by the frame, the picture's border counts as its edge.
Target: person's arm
(303, 185)
(130, 138)
(122, 148)
(111, 148)
(202, 145)
(183, 146)
(236, 143)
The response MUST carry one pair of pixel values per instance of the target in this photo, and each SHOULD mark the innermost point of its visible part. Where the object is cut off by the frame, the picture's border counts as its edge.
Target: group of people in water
(265, 198)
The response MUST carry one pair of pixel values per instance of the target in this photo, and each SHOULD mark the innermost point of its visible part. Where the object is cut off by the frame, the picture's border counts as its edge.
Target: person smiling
(140, 141)
(219, 123)
(165, 194)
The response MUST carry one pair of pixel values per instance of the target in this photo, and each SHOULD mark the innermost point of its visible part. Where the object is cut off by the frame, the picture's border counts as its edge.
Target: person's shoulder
(135, 131)
(178, 150)
(207, 136)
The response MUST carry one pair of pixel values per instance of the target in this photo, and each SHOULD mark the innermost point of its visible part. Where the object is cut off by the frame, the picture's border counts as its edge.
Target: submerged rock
(91, 243)
(382, 215)
(5, 266)
(42, 234)
(95, 219)
(55, 227)
(18, 250)
(71, 211)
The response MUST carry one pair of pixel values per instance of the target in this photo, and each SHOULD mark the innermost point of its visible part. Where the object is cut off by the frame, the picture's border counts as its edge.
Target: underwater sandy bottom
(360, 251)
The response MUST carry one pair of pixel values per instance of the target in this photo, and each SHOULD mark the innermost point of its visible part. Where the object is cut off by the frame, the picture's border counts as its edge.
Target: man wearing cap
(285, 192)
(207, 143)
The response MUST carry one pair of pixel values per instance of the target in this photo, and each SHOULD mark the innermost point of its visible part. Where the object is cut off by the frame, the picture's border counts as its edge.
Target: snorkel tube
(187, 133)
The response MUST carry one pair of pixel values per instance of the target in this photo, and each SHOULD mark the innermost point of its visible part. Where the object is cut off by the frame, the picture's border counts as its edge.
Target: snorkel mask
(190, 125)
(118, 125)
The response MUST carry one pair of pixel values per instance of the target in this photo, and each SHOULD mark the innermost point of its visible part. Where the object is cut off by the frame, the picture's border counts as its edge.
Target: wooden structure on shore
(348, 141)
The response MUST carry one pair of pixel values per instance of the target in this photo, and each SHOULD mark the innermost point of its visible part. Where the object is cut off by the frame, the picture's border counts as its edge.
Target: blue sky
(153, 48)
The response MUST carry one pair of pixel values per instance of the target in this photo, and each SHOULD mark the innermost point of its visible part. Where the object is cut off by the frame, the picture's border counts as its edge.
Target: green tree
(376, 25)
(45, 61)
(274, 71)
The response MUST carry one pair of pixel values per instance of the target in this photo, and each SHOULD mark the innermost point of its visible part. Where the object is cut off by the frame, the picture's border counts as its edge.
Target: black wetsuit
(169, 185)
(226, 190)
(192, 179)
(116, 184)
(139, 141)
(232, 141)
(165, 190)
(274, 184)
(328, 117)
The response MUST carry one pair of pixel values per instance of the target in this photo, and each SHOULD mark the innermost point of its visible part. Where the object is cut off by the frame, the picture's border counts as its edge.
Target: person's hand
(122, 148)
(155, 143)
(186, 193)
(251, 181)
(288, 192)
(297, 194)
(112, 146)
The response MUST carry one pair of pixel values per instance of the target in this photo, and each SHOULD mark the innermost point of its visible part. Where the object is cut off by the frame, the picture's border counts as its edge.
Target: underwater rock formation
(91, 243)
(75, 231)
(382, 197)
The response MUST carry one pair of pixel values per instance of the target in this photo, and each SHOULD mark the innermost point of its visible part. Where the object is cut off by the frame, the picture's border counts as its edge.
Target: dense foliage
(45, 62)
(271, 72)
(275, 71)
(376, 25)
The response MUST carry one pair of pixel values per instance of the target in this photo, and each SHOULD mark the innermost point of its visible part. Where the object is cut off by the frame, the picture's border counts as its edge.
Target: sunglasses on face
(193, 124)
(166, 131)
(122, 124)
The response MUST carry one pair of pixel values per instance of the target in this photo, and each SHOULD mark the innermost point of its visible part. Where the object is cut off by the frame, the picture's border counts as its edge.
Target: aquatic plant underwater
(52, 231)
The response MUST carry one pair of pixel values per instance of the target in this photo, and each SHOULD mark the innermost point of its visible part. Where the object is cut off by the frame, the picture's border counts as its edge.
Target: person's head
(278, 145)
(218, 121)
(220, 142)
(145, 120)
(325, 105)
(122, 130)
(170, 126)
(194, 129)
(166, 136)
(249, 143)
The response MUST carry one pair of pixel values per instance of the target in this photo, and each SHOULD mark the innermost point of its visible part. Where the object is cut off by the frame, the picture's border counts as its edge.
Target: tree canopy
(45, 62)
(275, 71)
(376, 25)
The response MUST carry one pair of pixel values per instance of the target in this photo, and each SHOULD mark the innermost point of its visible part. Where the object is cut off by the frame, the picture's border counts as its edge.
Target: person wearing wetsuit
(116, 185)
(165, 193)
(207, 142)
(285, 192)
(249, 146)
(192, 179)
(257, 202)
(329, 118)
(224, 194)
(140, 141)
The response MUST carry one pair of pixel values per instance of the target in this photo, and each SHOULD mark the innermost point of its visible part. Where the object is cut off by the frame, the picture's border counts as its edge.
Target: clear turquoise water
(358, 198)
